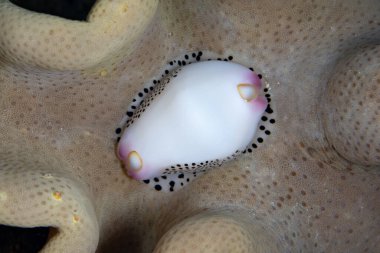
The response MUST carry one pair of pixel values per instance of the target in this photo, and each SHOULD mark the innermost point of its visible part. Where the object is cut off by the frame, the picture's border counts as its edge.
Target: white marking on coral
(3, 196)
(47, 176)
(103, 73)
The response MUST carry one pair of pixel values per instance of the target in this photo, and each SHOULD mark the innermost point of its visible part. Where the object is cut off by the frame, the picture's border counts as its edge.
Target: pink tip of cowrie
(134, 161)
(247, 92)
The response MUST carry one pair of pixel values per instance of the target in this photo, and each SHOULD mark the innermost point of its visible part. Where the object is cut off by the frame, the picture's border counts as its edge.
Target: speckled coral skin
(306, 188)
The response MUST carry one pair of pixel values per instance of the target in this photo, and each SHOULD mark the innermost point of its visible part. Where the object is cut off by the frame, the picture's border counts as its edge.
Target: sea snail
(199, 116)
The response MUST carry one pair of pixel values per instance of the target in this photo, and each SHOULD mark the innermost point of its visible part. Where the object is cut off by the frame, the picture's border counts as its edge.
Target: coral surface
(313, 185)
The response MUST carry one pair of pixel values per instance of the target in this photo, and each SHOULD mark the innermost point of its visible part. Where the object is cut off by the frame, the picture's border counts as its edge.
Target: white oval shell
(201, 115)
